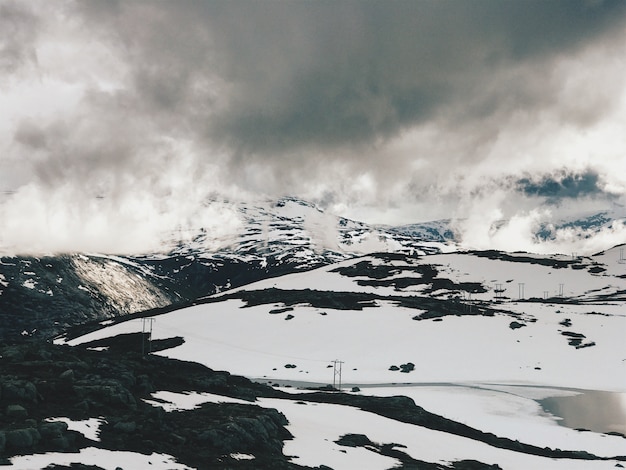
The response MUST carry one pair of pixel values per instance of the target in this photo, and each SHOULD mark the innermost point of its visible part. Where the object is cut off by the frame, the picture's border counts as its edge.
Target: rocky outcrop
(39, 381)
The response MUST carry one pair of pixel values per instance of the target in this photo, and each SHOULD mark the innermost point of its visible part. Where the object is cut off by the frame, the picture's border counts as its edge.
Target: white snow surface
(227, 335)
(90, 428)
(106, 459)
(239, 456)
(172, 401)
(474, 369)
(507, 411)
(316, 426)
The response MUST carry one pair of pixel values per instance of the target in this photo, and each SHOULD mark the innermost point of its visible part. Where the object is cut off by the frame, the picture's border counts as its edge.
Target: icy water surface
(597, 411)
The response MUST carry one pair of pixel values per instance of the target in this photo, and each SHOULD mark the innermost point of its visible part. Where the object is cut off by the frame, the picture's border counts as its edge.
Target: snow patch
(102, 458)
(242, 456)
(90, 428)
(172, 401)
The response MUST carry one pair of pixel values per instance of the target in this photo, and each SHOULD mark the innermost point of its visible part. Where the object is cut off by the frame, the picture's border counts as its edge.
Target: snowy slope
(439, 312)
(43, 295)
(294, 231)
(432, 328)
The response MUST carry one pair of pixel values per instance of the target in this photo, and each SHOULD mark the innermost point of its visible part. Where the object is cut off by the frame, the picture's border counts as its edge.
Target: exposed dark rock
(520, 258)
(168, 284)
(50, 430)
(596, 269)
(125, 427)
(514, 325)
(354, 440)
(22, 439)
(16, 412)
(22, 390)
(76, 466)
(67, 375)
(111, 385)
(280, 310)
(576, 340)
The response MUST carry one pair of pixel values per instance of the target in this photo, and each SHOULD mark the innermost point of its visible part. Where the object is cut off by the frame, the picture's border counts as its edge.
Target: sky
(120, 120)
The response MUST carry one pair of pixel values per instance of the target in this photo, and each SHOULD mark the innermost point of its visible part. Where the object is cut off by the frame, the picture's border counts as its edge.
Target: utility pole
(337, 373)
(150, 321)
(499, 292)
(521, 290)
(561, 289)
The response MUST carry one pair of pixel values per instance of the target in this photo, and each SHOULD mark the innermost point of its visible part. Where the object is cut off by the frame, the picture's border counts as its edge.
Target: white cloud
(157, 108)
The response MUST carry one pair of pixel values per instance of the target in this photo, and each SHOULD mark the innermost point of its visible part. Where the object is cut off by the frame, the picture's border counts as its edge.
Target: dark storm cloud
(567, 186)
(276, 75)
(373, 105)
(323, 73)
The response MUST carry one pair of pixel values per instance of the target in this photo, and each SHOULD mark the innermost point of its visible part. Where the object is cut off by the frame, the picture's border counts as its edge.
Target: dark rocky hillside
(39, 381)
(42, 296)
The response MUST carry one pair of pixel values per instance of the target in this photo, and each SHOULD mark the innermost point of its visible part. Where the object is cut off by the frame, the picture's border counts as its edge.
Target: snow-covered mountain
(43, 295)
(483, 339)
(573, 225)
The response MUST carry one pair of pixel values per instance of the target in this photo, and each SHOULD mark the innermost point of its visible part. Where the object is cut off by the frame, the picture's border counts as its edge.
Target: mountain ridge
(44, 295)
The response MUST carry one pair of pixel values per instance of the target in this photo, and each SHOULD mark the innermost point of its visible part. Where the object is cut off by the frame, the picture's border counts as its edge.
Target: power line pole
(521, 290)
(337, 373)
(150, 321)
(499, 292)
(561, 289)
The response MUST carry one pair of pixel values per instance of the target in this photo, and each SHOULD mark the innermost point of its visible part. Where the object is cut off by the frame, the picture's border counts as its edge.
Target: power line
(206, 339)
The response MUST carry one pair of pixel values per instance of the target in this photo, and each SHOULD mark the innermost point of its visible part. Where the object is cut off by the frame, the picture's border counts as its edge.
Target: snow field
(90, 428)
(251, 342)
(106, 459)
(495, 373)
(316, 427)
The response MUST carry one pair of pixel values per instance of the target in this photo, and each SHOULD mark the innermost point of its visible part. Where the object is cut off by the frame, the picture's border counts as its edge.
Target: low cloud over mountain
(122, 119)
